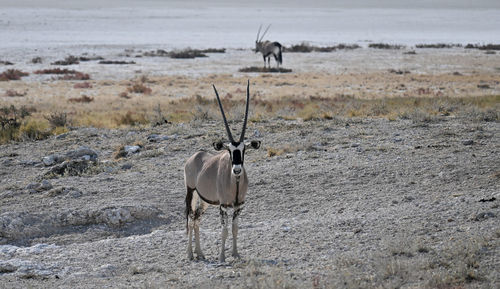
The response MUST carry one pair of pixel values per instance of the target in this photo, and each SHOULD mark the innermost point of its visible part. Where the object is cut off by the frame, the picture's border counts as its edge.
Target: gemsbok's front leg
(236, 213)
(223, 219)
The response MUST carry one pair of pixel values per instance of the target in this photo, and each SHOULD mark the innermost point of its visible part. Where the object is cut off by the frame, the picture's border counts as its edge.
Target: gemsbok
(267, 48)
(219, 179)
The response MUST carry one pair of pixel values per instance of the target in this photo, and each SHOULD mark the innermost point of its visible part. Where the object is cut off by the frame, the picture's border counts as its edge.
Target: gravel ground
(341, 203)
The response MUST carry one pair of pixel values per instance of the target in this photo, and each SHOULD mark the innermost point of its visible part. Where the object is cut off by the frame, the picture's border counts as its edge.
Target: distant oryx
(267, 48)
(220, 180)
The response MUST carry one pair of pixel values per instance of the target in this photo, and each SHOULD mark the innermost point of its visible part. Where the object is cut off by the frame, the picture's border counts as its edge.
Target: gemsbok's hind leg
(197, 219)
(190, 221)
(236, 214)
(223, 219)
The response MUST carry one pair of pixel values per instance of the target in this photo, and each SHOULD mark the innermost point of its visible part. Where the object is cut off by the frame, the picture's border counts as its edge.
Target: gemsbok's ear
(218, 145)
(255, 144)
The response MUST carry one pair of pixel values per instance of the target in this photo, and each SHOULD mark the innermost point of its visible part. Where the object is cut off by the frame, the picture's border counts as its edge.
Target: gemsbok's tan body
(217, 179)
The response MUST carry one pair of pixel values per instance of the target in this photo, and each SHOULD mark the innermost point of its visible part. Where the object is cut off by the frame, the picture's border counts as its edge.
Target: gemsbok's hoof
(236, 256)
(222, 259)
(200, 257)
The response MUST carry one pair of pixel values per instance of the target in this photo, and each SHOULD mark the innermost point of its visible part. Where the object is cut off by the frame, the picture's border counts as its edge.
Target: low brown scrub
(4, 62)
(55, 71)
(264, 69)
(385, 46)
(82, 99)
(75, 76)
(12, 74)
(483, 47)
(116, 62)
(438, 45)
(186, 54)
(305, 47)
(67, 61)
(213, 50)
(67, 74)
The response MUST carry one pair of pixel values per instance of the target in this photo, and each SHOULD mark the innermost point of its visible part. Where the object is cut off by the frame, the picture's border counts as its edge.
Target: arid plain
(378, 168)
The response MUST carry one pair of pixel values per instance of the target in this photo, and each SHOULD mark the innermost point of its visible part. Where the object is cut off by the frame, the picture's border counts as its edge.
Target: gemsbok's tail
(187, 211)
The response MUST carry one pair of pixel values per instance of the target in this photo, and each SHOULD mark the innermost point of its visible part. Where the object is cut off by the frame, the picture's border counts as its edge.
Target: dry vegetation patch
(385, 46)
(12, 74)
(264, 69)
(305, 47)
(67, 74)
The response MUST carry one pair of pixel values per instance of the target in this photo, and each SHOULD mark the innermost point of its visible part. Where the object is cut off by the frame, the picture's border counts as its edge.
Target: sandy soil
(349, 202)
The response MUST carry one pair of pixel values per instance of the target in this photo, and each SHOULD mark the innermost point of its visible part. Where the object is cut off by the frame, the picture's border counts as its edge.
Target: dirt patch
(363, 202)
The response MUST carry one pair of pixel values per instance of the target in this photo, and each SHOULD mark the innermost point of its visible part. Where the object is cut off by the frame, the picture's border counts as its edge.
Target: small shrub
(57, 119)
(10, 116)
(4, 62)
(36, 60)
(12, 74)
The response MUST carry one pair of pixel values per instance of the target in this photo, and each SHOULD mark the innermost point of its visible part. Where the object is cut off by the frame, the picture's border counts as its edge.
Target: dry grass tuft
(139, 88)
(75, 76)
(82, 85)
(131, 119)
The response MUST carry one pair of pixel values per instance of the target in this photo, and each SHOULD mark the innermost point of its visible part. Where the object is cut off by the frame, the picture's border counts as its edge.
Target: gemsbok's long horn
(265, 31)
(229, 135)
(242, 137)
(258, 33)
